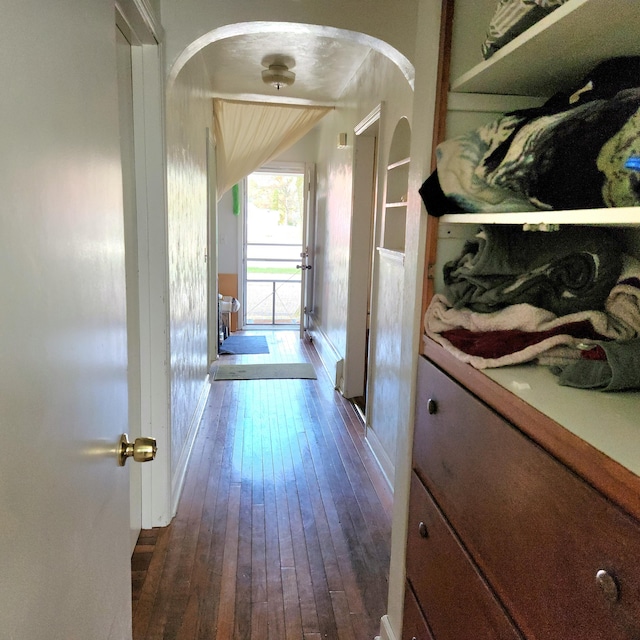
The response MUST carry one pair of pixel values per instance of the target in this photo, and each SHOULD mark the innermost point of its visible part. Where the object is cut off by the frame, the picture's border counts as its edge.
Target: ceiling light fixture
(278, 75)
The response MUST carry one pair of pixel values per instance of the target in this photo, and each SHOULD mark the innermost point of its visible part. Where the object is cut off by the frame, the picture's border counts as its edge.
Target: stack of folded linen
(551, 298)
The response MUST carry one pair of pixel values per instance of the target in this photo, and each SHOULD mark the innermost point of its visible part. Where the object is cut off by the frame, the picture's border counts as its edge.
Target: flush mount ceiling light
(278, 75)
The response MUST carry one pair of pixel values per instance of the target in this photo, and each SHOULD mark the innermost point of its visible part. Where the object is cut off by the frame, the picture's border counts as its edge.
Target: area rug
(266, 371)
(238, 345)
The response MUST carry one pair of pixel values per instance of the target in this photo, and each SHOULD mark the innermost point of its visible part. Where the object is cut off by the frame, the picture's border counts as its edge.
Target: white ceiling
(323, 66)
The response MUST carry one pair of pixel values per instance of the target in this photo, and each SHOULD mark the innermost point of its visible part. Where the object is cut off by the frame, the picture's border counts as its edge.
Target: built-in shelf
(554, 52)
(395, 206)
(617, 434)
(614, 216)
(399, 163)
(391, 255)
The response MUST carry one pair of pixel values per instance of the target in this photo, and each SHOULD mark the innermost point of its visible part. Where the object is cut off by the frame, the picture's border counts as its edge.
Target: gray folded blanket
(564, 271)
(619, 372)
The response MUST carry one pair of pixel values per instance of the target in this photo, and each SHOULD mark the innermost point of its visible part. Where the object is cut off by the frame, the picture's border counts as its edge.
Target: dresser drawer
(414, 626)
(563, 559)
(457, 603)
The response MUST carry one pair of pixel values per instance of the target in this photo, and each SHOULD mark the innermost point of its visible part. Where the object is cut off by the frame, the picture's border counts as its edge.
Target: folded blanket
(564, 271)
(513, 17)
(522, 332)
(618, 372)
(570, 153)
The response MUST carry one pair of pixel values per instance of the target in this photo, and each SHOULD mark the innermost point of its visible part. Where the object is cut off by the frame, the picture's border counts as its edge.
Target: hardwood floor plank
(292, 614)
(227, 602)
(258, 555)
(343, 616)
(259, 621)
(149, 590)
(283, 528)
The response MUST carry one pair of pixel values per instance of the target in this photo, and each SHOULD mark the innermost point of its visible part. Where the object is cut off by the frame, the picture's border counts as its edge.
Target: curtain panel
(250, 134)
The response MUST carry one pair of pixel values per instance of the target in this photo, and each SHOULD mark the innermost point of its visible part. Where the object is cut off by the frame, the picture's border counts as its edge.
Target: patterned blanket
(580, 150)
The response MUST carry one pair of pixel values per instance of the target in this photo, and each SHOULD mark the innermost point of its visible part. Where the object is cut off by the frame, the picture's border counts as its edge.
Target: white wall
(411, 324)
(377, 81)
(189, 113)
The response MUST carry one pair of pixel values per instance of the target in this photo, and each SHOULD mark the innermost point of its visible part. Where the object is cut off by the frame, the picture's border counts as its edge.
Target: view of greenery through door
(273, 243)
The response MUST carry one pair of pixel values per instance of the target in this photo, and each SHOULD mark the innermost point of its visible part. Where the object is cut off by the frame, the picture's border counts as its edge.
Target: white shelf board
(618, 216)
(558, 50)
(609, 421)
(391, 255)
(399, 163)
(392, 205)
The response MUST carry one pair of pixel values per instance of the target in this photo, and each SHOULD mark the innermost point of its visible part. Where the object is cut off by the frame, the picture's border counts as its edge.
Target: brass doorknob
(141, 450)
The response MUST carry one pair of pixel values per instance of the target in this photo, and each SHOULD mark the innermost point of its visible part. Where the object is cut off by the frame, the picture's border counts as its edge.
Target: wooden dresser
(505, 541)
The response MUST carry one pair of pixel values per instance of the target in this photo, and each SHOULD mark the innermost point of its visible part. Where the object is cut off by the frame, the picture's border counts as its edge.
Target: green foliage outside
(287, 270)
(278, 192)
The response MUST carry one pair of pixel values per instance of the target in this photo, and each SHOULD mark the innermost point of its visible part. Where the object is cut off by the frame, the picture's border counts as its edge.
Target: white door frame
(360, 253)
(127, 158)
(212, 250)
(306, 170)
(307, 260)
(146, 35)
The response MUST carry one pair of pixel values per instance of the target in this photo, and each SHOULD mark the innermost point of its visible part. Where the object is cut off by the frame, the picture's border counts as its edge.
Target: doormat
(239, 345)
(266, 371)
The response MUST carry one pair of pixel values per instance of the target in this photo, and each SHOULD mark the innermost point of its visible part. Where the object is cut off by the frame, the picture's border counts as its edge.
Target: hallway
(283, 529)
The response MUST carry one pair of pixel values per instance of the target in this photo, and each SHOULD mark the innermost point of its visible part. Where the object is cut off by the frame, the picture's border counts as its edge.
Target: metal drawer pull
(432, 406)
(422, 530)
(608, 585)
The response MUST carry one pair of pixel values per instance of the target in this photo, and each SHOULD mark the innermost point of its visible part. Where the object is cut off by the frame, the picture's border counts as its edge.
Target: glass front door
(274, 228)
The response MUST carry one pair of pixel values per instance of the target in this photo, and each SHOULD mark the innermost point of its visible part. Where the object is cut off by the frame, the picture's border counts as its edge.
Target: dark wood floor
(283, 529)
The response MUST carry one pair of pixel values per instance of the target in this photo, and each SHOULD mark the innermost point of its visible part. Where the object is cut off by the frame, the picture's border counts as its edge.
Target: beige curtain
(250, 134)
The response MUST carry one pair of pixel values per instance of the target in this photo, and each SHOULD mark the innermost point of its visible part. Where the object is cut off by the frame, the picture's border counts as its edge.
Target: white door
(64, 501)
(125, 103)
(361, 261)
(212, 249)
(273, 245)
(306, 256)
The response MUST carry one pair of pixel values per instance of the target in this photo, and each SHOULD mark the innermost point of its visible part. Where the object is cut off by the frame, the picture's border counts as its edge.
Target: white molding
(329, 355)
(384, 461)
(141, 21)
(386, 632)
(390, 255)
(181, 469)
(368, 120)
(148, 106)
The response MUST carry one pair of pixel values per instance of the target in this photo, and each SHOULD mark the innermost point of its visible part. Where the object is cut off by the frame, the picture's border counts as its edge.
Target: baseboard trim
(328, 354)
(386, 632)
(384, 462)
(177, 482)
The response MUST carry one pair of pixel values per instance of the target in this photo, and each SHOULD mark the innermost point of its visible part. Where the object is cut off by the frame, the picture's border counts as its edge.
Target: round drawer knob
(608, 585)
(432, 406)
(422, 530)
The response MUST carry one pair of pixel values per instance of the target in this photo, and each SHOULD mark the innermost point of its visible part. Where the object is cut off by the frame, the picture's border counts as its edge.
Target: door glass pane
(272, 249)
